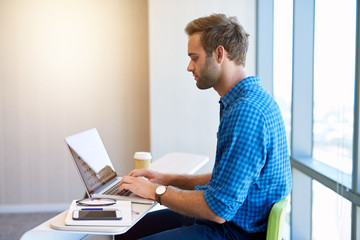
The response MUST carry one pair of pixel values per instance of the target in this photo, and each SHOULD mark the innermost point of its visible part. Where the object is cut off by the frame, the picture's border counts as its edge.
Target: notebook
(95, 167)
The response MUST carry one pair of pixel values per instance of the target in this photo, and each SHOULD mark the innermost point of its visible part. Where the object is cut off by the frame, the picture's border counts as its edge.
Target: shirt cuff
(224, 209)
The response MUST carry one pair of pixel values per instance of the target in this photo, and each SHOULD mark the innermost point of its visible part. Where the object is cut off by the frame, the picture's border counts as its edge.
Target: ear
(219, 53)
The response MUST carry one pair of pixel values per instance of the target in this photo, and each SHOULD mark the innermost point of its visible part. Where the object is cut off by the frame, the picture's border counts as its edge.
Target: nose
(190, 67)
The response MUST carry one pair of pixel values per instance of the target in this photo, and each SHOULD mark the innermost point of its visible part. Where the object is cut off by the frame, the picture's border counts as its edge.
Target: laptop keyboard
(113, 191)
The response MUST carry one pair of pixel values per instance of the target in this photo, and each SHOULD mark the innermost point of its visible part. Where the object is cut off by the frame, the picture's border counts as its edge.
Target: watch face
(160, 190)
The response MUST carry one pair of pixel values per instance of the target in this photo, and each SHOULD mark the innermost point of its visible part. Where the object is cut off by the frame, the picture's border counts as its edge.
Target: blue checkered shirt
(252, 165)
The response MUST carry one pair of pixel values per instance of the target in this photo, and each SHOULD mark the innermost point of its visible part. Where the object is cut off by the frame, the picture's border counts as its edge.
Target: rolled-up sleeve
(241, 154)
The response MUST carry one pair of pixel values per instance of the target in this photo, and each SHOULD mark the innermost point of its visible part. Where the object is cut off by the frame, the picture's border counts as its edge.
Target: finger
(125, 180)
(124, 186)
(133, 172)
(138, 173)
(121, 187)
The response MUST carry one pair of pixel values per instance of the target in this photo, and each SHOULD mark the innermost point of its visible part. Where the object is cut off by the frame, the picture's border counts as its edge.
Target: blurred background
(115, 65)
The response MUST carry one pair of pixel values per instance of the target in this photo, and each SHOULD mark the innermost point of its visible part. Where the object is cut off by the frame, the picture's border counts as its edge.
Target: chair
(276, 220)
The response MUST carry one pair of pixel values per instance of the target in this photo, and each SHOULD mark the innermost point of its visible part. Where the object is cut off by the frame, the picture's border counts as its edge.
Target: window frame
(304, 167)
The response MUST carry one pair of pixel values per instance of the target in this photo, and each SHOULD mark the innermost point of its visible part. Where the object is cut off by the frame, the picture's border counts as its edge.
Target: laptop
(96, 169)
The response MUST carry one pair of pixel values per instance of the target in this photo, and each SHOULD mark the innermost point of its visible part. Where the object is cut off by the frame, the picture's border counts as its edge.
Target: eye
(194, 59)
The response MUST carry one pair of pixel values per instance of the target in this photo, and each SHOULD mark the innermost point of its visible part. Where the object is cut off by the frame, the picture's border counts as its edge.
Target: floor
(14, 225)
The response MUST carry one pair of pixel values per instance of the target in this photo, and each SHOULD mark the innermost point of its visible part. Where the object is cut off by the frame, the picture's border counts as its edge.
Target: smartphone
(97, 215)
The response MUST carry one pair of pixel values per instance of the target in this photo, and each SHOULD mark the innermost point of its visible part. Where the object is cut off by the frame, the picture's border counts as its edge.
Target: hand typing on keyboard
(113, 191)
(139, 185)
(124, 192)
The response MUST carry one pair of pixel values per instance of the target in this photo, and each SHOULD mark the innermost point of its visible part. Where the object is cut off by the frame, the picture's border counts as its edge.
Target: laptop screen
(91, 159)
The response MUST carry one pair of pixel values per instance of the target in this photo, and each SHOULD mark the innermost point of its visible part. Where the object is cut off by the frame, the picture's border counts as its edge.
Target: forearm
(187, 182)
(189, 203)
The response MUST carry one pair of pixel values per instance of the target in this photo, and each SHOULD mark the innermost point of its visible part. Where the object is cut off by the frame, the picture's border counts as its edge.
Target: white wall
(183, 118)
(70, 65)
(67, 66)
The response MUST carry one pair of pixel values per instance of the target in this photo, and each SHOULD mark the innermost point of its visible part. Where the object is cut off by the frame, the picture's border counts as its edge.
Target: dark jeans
(166, 224)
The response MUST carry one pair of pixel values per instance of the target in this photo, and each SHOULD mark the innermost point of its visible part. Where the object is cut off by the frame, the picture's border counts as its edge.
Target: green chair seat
(276, 220)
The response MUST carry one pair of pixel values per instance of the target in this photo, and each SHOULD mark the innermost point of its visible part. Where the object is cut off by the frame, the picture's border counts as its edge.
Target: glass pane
(282, 64)
(331, 214)
(283, 16)
(334, 70)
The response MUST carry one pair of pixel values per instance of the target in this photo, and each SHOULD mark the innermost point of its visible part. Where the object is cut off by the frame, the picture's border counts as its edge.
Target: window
(283, 59)
(334, 78)
(323, 109)
(282, 70)
(331, 214)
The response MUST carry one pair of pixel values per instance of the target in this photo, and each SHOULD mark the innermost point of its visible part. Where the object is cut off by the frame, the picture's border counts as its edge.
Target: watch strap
(158, 196)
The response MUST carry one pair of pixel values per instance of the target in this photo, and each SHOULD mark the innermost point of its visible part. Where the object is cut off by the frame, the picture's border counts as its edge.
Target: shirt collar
(239, 89)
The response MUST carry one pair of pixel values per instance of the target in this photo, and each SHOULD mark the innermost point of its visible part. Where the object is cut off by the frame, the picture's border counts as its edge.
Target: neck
(231, 75)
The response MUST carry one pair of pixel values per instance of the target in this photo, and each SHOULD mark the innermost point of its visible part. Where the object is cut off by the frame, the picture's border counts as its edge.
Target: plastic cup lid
(142, 155)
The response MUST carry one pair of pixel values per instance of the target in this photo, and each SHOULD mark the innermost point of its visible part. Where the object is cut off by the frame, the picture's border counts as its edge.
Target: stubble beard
(209, 75)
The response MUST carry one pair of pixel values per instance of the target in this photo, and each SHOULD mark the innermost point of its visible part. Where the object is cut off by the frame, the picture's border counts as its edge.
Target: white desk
(55, 228)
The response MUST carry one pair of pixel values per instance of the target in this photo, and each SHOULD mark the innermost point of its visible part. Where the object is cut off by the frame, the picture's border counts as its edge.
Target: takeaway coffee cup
(142, 159)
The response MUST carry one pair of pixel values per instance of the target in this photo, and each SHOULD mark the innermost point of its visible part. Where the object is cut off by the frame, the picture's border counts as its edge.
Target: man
(252, 167)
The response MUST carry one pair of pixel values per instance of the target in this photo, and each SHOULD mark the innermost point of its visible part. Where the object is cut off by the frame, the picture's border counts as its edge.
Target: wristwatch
(160, 190)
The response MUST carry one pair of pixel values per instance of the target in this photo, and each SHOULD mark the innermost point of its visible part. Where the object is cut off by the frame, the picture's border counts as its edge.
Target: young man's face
(205, 71)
